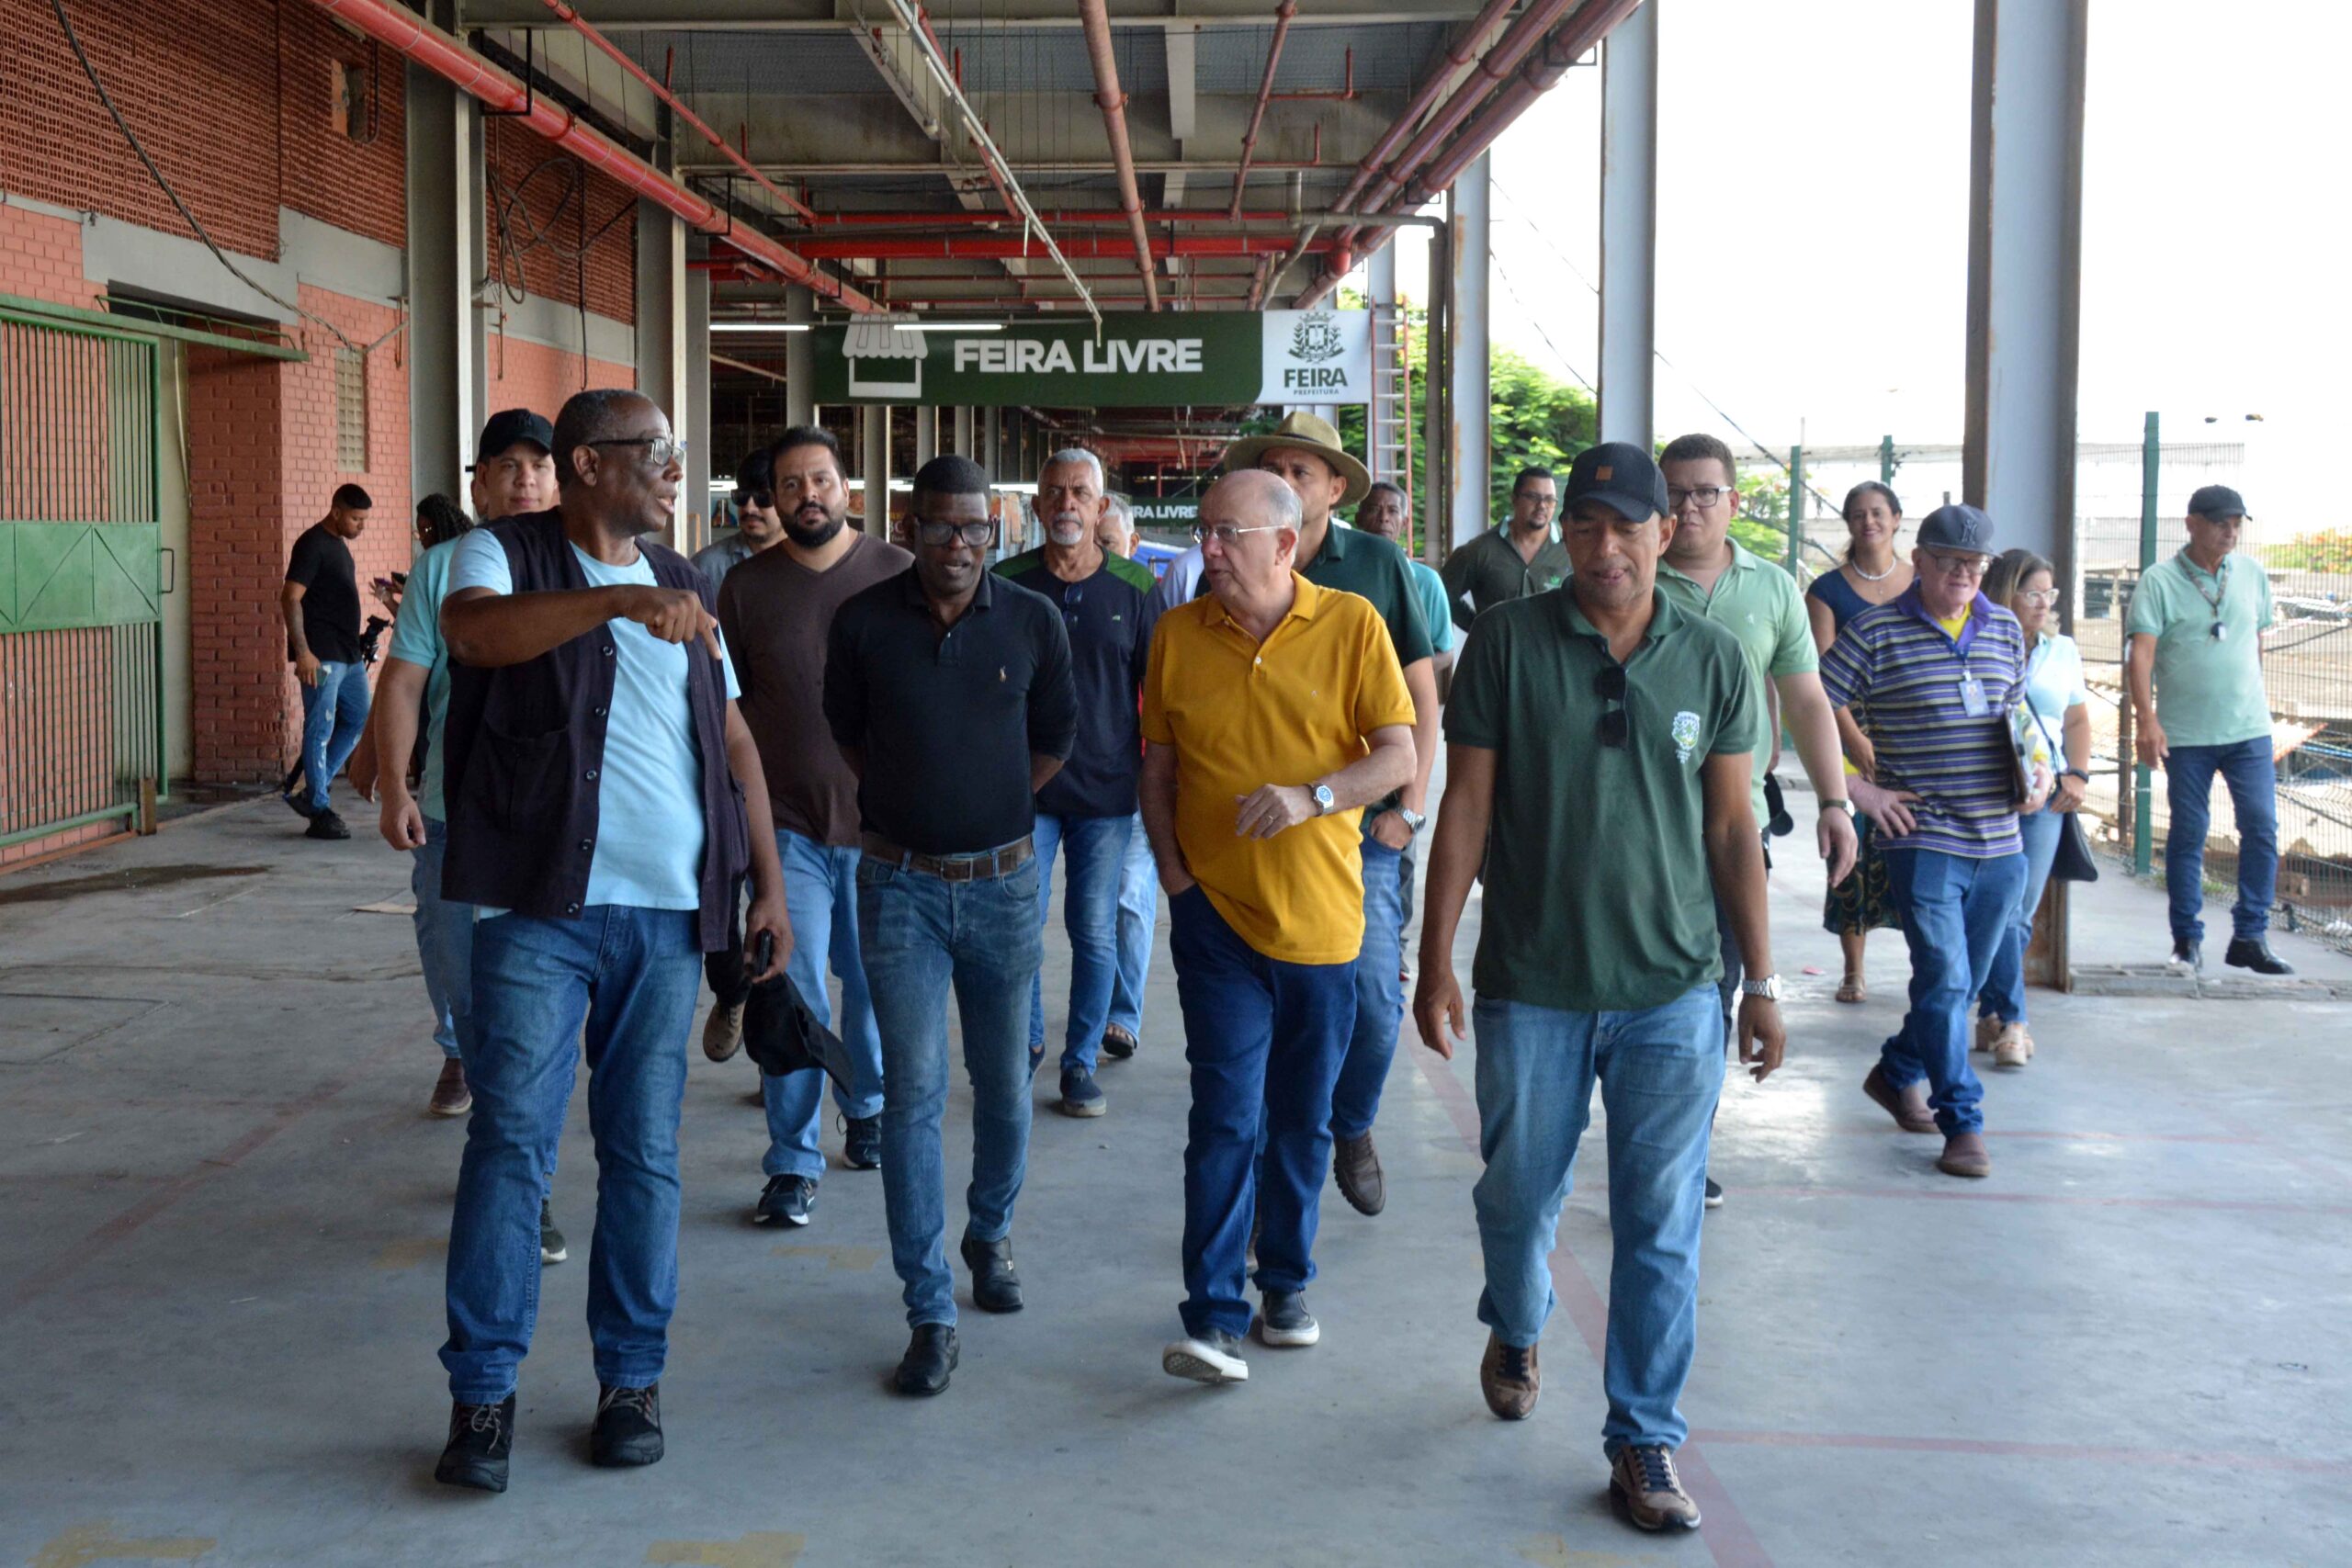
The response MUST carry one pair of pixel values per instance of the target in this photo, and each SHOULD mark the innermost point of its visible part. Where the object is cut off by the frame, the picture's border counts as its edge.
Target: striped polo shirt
(1904, 671)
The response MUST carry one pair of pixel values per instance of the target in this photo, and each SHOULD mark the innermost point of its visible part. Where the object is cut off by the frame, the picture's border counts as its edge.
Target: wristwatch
(2073, 773)
(1414, 820)
(1325, 801)
(1845, 806)
(1768, 988)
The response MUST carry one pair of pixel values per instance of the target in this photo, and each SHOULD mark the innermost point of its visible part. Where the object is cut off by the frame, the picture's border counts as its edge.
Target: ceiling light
(759, 326)
(950, 326)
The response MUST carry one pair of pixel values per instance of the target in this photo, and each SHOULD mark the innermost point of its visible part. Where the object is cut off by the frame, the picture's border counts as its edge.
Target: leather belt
(985, 867)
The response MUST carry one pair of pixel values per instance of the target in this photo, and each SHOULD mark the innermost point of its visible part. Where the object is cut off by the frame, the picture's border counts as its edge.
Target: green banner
(1176, 358)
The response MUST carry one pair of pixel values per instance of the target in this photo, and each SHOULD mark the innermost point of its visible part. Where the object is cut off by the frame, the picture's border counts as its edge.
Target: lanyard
(2188, 569)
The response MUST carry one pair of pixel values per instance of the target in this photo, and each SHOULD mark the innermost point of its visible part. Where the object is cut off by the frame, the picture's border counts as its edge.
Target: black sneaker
(2255, 953)
(552, 1248)
(995, 1286)
(482, 1438)
(861, 1143)
(1080, 1097)
(2185, 956)
(628, 1427)
(1211, 1357)
(1117, 1043)
(930, 1355)
(787, 1197)
(1284, 1322)
(1714, 1193)
(300, 805)
(326, 825)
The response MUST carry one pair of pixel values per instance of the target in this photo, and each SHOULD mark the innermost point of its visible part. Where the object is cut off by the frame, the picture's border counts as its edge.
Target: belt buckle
(956, 870)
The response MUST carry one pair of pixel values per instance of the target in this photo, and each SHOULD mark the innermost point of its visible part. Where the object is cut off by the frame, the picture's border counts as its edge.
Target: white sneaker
(1210, 1358)
(2014, 1048)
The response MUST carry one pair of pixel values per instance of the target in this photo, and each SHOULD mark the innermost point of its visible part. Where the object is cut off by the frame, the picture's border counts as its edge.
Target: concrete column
(799, 358)
(965, 444)
(699, 456)
(993, 444)
(1467, 207)
(926, 435)
(1629, 227)
(877, 421)
(448, 381)
(2025, 207)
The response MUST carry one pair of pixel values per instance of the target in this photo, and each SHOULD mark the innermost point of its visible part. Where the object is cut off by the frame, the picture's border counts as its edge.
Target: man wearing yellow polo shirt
(1274, 711)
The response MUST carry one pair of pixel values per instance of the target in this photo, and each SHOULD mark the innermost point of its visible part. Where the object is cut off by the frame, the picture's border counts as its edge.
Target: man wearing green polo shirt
(2196, 628)
(1605, 735)
(1305, 452)
(1520, 558)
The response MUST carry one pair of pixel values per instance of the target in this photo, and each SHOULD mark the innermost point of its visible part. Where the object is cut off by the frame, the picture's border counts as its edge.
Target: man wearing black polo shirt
(1088, 809)
(1306, 454)
(1604, 735)
(950, 693)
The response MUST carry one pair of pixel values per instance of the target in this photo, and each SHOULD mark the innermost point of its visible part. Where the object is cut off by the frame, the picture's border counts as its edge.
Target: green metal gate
(81, 589)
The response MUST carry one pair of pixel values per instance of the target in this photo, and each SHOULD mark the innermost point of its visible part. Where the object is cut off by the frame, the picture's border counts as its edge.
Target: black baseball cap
(2217, 501)
(1619, 475)
(508, 426)
(1957, 527)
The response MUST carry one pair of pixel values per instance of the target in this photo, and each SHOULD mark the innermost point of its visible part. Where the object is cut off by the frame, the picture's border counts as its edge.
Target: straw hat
(1308, 433)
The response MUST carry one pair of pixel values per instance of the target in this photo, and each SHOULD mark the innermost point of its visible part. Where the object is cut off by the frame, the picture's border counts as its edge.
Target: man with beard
(605, 797)
(777, 610)
(1088, 807)
(757, 525)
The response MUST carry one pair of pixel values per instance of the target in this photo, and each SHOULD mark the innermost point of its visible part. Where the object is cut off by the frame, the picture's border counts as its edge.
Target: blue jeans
(920, 936)
(820, 898)
(1380, 995)
(2253, 779)
(1957, 910)
(632, 977)
(2004, 993)
(335, 712)
(1097, 851)
(1661, 1070)
(1265, 1040)
(1139, 913)
(445, 944)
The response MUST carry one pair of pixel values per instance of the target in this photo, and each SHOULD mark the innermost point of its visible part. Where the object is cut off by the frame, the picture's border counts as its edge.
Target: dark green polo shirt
(1597, 895)
(1488, 569)
(1356, 562)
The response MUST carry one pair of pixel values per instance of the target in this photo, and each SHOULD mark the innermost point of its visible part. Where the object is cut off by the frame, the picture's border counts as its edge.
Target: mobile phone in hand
(762, 953)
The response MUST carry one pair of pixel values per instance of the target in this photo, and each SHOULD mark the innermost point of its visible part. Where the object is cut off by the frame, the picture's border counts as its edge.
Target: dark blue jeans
(2004, 994)
(820, 899)
(1380, 995)
(921, 936)
(335, 712)
(632, 977)
(1957, 911)
(444, 944)
(2253, 779)
(1264, 1040)
(1095, 850)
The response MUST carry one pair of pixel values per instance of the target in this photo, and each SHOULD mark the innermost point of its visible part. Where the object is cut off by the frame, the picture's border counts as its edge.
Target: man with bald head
(1274, 711)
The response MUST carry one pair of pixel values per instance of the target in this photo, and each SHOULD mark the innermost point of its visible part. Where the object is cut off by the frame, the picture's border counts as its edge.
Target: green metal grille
(81, 604)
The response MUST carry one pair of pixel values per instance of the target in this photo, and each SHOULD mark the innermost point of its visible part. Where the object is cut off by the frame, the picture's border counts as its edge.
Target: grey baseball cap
(1957, 527)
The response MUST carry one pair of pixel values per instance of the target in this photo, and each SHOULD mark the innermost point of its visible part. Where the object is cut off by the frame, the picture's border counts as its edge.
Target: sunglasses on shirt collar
(1616, 727)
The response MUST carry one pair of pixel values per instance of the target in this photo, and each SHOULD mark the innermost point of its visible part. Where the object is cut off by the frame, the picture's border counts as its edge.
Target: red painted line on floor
(2072, 1201)
(1726, 1531)
(1878, 1130)
(2173, 1458)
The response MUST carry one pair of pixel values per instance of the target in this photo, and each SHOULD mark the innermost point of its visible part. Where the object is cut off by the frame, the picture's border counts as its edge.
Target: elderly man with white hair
(1088, 809)
(1276, 711)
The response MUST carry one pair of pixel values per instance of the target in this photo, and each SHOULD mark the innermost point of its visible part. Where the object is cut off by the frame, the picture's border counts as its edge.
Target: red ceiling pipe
(405, 32)
(1001, 247)
(579, 24)
(1283, 14)
(1113, 103)
(1078, 218)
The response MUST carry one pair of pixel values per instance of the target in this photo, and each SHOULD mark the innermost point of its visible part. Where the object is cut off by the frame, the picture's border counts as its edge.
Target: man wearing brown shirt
(775, 610)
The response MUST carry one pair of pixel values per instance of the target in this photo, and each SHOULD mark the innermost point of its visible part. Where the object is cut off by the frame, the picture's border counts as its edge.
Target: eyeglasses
(762, 499)
(664, 450)
(1616, 725)
(1540, 501)
(1960, 566)
(2041, 598)
(1705, 495)
(1229, 535)
(977, 535)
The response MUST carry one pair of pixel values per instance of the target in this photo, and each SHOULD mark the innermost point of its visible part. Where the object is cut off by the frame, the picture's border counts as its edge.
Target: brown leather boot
(1510, 1379)
(1909, 1105)
(1356, 1166)
(1964, 1156)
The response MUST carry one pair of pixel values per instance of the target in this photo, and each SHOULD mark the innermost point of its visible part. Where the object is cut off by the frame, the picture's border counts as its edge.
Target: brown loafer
(1907, 1106)
(1964, 1156)
(450, 1095)
(1356, 1165)
(1510, 1379)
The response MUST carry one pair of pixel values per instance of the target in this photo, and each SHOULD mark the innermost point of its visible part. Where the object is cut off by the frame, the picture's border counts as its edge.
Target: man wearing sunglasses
(758, 525)
(605, 797)
(1087, 808)
(2195, 671)
(949, 691)
(1599, 737)
(1941, 668)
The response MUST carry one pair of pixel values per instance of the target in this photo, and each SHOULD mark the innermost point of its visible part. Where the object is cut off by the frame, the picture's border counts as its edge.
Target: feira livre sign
(1138, 360)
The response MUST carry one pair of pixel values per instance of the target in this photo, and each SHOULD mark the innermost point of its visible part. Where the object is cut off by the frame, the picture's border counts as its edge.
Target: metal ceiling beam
(822, 16)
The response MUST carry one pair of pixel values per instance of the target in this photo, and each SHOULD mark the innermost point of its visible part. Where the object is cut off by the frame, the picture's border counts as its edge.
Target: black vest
(527, 742)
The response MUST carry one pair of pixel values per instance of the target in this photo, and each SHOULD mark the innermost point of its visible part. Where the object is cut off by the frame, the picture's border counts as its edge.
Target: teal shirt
(416, 639)
(2208, 690)
(1434, 614)
(1759, 604)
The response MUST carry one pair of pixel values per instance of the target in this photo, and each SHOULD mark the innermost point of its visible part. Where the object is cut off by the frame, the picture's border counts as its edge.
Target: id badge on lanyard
(1972, 698)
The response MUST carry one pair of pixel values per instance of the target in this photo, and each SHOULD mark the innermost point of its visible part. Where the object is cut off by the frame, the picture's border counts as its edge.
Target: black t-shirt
(321, 565)
(1109, 619)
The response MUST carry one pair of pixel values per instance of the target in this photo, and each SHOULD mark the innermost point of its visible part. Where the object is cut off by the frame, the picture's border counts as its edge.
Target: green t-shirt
(1357, 562)
(1490, 571)
(1598, 893)
(1434, 610)
(1757, 603)
(2208, 690)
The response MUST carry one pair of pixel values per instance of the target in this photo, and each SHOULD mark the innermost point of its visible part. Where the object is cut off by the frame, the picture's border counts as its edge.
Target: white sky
(1811, 225)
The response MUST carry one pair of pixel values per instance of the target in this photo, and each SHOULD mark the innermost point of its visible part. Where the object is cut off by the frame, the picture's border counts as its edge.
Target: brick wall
(541, 195)
(40, 258)
(356, 184)
(532, 376)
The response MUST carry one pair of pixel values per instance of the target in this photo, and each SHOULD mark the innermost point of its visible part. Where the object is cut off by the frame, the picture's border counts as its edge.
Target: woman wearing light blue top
(2025, 584)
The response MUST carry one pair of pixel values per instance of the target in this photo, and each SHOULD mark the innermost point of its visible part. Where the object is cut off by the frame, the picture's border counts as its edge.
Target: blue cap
(1957, 527)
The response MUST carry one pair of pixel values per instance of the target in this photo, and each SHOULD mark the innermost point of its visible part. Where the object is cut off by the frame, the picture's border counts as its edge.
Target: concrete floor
(224, 1213)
